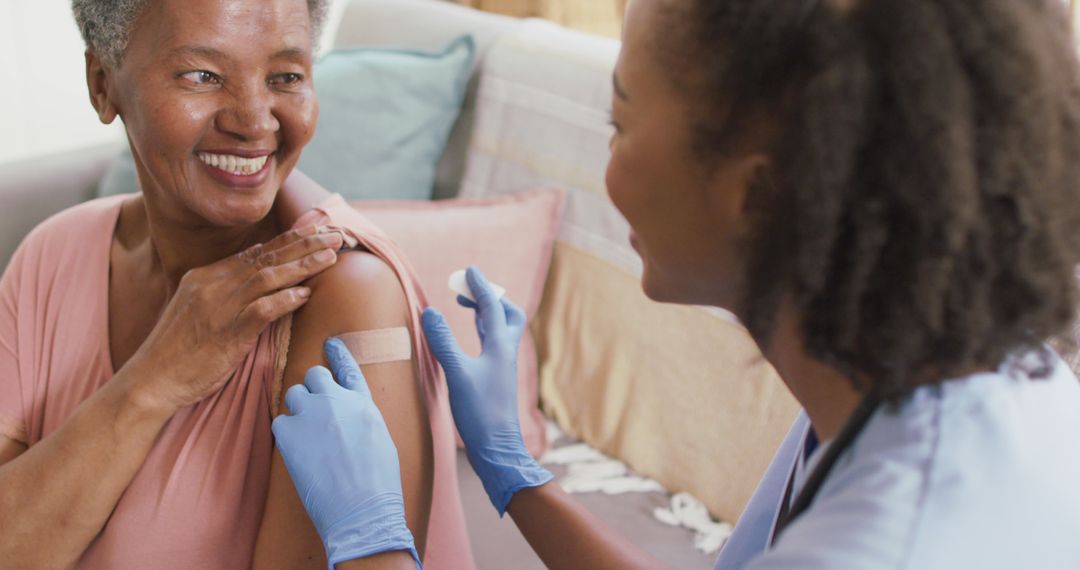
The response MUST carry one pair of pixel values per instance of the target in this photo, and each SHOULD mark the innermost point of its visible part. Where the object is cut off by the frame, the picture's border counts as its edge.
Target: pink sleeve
(12, 417)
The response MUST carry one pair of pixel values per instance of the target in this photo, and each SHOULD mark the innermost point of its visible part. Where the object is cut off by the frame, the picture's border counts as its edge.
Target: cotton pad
(459, 285)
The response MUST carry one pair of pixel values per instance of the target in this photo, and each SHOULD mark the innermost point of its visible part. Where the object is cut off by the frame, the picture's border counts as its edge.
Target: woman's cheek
(305, 118)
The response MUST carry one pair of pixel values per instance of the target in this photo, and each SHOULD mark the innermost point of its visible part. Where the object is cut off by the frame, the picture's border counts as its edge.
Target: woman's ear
(98, 82)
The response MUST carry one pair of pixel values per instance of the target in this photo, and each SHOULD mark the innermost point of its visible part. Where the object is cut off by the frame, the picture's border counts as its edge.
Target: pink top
(197, 501)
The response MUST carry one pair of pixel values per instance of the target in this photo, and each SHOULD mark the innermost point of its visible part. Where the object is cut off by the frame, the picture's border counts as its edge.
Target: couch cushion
(679, 393)
(509, 238)
(427, 25)
(385, 118)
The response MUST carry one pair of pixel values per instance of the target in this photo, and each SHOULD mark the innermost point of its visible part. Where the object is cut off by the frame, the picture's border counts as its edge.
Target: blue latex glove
(344, 464)
(483, 392)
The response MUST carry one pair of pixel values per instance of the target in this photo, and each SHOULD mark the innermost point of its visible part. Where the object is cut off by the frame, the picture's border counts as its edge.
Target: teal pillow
(385, 117)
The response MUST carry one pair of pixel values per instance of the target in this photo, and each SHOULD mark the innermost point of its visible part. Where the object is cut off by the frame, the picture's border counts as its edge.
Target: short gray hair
(106, 24)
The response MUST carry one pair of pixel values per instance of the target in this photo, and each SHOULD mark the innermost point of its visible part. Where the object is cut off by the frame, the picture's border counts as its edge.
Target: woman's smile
(236, 168)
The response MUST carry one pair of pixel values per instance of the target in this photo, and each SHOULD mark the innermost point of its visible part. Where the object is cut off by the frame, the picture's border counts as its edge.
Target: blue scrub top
(978, 472)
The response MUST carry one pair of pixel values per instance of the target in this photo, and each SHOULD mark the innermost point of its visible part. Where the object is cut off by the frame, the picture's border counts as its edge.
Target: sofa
(680, 394)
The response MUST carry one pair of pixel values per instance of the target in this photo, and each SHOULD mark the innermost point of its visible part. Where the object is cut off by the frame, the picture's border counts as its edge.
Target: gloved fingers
(491, 312)
(345, 367)
(295, 397)
(319, 380)
(280, 427)
(441, 339)
(479, 323)
(515, 317)
(467, 302)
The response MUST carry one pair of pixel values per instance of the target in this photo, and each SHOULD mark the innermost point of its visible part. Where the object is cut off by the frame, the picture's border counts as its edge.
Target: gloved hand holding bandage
(343, 462)
(483, 392)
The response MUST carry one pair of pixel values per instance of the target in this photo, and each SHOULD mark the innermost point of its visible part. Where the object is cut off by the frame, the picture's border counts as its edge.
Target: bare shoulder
(360, 292)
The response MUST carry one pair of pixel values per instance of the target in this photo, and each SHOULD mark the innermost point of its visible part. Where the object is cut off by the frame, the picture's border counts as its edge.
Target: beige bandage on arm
(377, 346)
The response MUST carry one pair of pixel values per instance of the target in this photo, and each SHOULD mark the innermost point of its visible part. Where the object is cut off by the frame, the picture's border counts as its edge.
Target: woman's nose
(249, 116)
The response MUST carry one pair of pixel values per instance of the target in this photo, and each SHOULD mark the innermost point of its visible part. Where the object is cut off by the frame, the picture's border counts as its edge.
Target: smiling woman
(150, 444)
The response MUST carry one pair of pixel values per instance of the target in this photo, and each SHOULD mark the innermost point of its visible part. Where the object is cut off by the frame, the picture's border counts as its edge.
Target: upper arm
(360, 293)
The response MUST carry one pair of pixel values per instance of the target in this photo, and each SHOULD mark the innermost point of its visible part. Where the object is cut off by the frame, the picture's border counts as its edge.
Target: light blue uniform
(980, 472)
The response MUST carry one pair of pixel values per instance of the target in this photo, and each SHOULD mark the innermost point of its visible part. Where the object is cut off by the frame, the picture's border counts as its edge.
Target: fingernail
(325, 256)
(308, 231)
(303, 292)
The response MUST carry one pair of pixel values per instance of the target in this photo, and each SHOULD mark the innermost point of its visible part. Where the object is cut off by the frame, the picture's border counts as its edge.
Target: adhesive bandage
(378, 346)
(459, 285)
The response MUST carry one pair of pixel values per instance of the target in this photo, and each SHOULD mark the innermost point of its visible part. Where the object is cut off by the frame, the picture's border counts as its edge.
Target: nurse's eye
(202, 77)
(614, 124)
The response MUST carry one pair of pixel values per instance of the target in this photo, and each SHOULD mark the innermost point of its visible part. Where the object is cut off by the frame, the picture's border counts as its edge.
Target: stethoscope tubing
(853, 427)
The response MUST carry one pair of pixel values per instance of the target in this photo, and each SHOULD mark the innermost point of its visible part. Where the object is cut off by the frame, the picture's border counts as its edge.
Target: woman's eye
(201, 77)
(287, 79)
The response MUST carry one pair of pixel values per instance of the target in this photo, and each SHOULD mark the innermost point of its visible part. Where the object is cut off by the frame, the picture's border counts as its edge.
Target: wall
(44, 106)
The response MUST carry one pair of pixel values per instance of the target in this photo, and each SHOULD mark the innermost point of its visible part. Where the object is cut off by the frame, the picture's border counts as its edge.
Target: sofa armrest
(32, 190)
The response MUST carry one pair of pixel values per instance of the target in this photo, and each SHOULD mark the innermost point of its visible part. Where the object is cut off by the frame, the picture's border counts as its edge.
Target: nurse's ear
(750, 184)
(100, 83)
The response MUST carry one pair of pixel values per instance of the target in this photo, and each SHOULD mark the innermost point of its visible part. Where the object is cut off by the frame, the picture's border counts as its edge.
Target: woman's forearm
(566, 535)
(56, 497)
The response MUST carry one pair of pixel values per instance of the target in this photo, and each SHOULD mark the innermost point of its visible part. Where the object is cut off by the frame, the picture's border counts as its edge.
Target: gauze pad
(459, 285)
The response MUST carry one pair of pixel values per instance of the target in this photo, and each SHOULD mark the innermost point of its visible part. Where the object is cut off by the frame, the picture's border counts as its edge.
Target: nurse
(887, 193)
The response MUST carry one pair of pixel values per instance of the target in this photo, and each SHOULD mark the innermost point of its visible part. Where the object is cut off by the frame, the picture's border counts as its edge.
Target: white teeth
(232, 164)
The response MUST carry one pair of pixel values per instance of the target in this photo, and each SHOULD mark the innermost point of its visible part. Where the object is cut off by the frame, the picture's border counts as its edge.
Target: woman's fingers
(298, 249)
(269, 308)
(223, 307)
(287, 247)
(290, 236)
(270, 279)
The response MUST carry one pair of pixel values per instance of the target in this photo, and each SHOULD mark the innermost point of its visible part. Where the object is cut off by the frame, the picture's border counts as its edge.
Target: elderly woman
(142, 357)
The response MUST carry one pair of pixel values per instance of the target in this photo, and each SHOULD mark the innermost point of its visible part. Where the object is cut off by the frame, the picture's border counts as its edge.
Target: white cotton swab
(459, 285)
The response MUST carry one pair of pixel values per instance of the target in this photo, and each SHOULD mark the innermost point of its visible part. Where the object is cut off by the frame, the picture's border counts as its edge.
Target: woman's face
(218, 102)
(686, 214)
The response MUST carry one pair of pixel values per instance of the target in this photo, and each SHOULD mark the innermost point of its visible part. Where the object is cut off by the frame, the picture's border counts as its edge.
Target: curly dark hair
(922, 207)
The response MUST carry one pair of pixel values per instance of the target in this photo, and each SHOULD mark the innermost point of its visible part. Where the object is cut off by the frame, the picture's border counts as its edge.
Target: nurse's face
(218, 102)
(686, 213)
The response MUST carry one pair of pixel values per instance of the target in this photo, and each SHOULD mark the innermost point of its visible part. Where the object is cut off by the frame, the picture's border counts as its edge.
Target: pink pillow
(509, 238)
